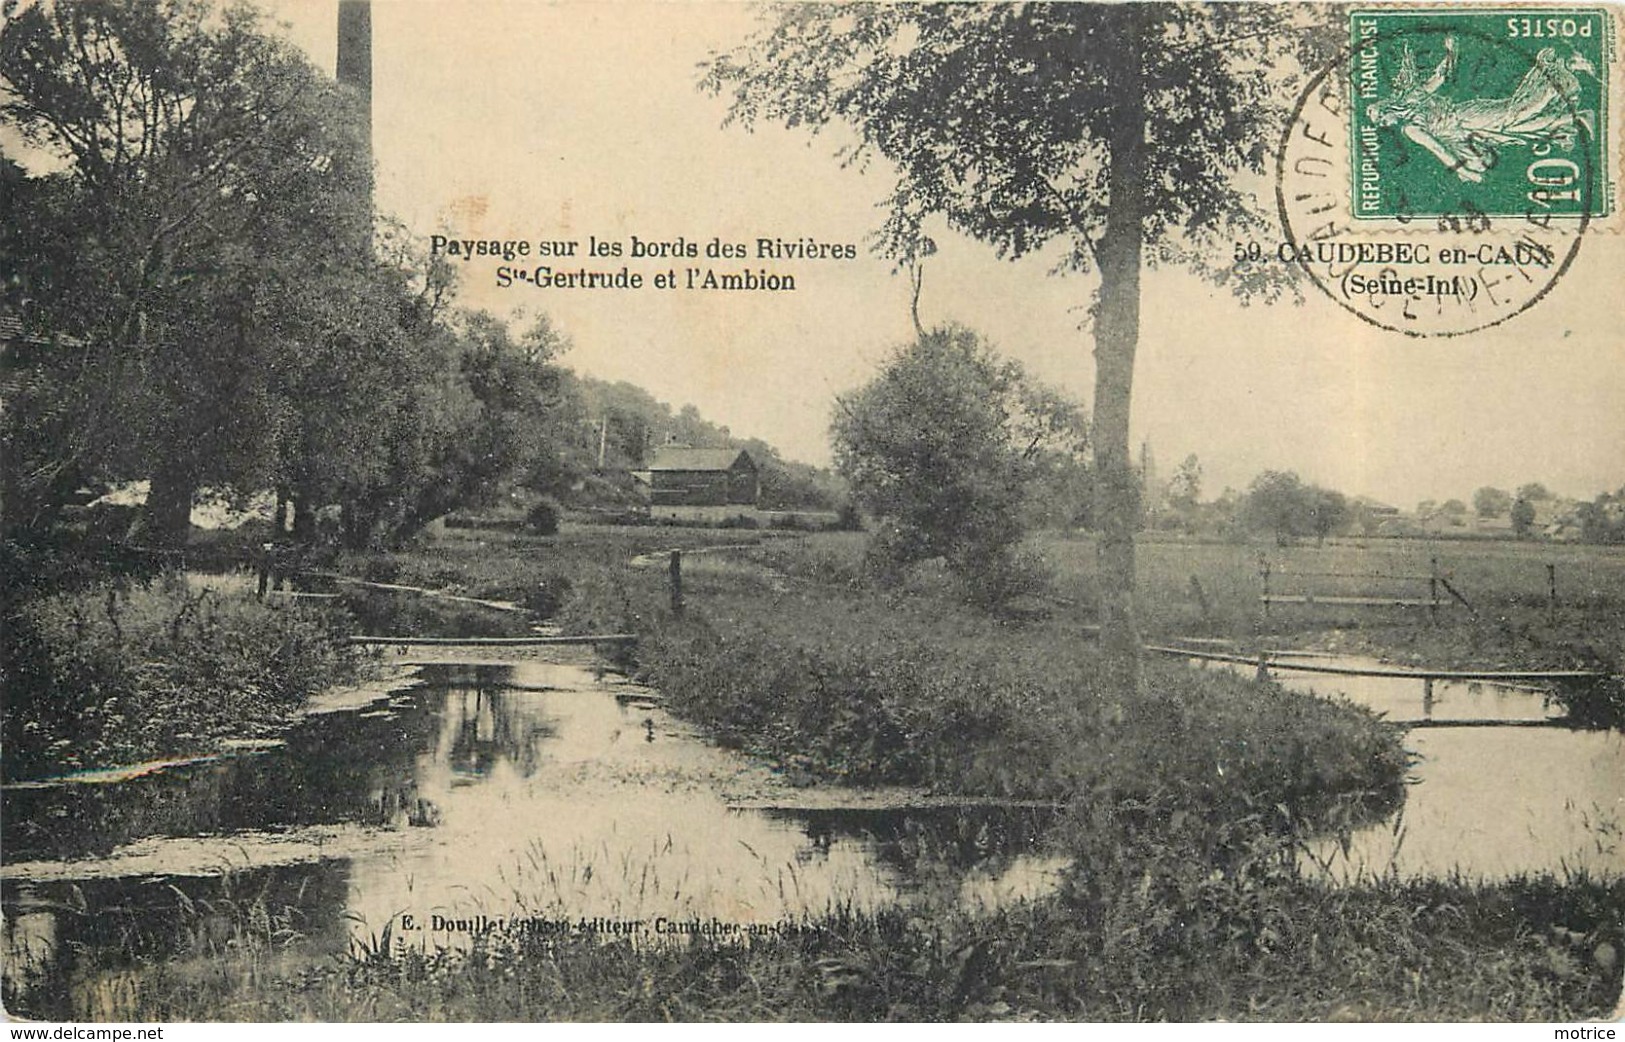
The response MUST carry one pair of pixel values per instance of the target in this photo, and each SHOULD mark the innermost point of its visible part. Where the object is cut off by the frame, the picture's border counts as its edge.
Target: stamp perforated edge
(1611, 125)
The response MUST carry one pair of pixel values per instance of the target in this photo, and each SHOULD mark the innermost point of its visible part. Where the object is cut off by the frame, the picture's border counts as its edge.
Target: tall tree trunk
(284, 507)
(360, 524)
(169, 508)
(1117, 334)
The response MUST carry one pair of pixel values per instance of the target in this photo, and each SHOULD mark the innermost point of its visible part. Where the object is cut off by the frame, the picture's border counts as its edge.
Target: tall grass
(1241, 947)
(112, 675)
(919, 691)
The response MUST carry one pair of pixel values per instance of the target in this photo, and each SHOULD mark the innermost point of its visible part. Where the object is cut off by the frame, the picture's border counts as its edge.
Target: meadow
(1189, 588)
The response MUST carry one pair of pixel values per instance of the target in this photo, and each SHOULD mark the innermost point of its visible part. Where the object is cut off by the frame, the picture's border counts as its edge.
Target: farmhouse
(687, 484)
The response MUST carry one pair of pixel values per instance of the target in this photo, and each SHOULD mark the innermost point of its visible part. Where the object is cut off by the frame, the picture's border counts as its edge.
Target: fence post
(1263, 666)
(1201, 596)
(1433, 590)
(1427, 698)
(1551, 592)
(676, 570)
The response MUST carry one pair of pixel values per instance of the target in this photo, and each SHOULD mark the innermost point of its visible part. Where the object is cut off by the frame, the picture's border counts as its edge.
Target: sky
(531, 120)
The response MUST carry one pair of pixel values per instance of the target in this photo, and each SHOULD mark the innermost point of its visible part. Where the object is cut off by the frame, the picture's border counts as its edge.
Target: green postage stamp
(1480, 111)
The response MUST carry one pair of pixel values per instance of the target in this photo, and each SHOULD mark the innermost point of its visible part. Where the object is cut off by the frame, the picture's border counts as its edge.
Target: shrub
(543, 518)
(943, 447)
(548, 596)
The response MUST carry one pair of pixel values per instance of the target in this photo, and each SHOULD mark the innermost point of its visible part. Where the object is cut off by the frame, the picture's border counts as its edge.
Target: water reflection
(1495, 802)
(981, 857)
(487, 791)
(535, 792)
(363, 767)
(1491, 800)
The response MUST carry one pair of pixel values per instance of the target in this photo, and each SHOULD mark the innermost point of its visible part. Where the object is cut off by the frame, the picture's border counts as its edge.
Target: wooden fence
(1428, 591)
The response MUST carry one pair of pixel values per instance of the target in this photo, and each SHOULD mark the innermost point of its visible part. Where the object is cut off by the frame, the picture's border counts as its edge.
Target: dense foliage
(1284, 506)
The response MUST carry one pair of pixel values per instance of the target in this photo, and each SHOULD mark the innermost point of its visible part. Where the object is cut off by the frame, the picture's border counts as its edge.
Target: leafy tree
(635, 422)
(940, 446)
(1280, 503)
(207, 250)
(1023, 124)
(212, 183)
(1534, 492)
(1185, 488)
(1060, 490)
(1328, 512)
(475, 409)
(1603, 519)
(1453, 507)
(1523, 516)
(688, 427)
(1491, 502)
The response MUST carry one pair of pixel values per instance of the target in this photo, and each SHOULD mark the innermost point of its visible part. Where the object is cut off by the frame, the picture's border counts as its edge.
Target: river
(537, 792)
(549, 794)
(1500, 786)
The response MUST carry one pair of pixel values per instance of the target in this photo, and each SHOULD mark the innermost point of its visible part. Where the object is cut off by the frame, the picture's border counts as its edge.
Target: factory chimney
(355, 54)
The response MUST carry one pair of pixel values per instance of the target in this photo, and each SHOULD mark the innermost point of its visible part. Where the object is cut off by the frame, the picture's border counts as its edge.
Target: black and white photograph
(628, 511)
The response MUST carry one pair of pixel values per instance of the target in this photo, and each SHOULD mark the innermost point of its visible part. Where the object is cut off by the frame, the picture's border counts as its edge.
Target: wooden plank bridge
(1284, 662)
(496, 642)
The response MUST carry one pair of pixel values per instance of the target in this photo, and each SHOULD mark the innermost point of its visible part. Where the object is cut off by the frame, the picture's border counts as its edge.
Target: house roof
(681, 457)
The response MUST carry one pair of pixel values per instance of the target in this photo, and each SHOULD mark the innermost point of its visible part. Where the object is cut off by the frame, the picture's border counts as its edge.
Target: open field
(1207, 589)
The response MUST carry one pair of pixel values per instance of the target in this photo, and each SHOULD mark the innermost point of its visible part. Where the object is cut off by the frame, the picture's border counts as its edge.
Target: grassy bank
(119, 674)
(918, 692)
(1527, 950)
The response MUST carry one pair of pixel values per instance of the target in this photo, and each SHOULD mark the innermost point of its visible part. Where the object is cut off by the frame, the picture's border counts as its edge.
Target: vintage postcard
(520, 511)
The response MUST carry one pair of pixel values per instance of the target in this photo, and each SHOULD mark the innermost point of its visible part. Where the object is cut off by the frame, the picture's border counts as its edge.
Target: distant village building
(708, 485)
